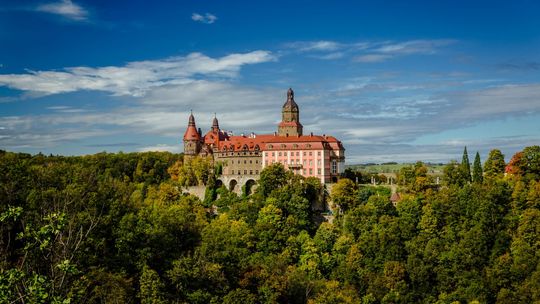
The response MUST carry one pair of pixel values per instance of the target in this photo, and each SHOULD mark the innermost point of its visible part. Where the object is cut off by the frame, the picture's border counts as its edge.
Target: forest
(120, 228)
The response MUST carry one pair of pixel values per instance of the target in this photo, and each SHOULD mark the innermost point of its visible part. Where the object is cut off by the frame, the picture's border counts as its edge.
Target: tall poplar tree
(466, 165)
(477, 169)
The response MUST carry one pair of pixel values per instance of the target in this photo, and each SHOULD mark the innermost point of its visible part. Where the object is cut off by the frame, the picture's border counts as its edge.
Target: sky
(393, 80)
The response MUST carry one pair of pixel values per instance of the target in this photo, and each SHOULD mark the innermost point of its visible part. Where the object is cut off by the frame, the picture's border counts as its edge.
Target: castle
(244, 157)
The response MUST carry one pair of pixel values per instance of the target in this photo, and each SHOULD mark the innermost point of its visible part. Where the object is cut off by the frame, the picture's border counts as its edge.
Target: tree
(453, 174)
(151, 287)
(272, 177)
(531, 157)
(477, 169)
(344, 194)
(495, 164)
(465, 165)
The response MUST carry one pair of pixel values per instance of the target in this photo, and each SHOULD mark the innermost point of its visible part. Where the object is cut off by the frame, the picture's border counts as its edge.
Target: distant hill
(393, 167)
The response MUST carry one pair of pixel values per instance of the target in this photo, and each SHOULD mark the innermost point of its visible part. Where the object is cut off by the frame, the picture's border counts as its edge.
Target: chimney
(311, 134)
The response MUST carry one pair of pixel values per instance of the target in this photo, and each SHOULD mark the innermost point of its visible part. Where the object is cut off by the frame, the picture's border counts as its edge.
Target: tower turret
(290, 117)
(192, 138)
(215, 124)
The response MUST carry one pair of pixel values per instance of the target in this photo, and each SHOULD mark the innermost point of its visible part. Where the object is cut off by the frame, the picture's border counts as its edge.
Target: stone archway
(232, 185)
(250, 183)
(219, 183)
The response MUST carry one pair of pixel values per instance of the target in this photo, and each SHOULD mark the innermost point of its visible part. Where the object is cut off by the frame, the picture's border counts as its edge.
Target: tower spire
(215, 123)
(191, 121)
(290, 123)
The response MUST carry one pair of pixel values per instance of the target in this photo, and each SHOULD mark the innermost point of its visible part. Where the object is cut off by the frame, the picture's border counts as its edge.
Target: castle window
(283, 145)
(319, 171)
(310, 153)
(232, 171)
(266, 154)
(304, 171)
(279, 154)
(334, 167)
(256, 171)
(250, 172)
(250, 161)
(319, 153)
(310, 171)
(273, 153)
(295, 146)
(256, 161)
(270, 146)
(297, 153)
(304, 162)
(245, 161)
(310, 163)
(308, 145)
(304, 153)
(245, 171)
(319, 162)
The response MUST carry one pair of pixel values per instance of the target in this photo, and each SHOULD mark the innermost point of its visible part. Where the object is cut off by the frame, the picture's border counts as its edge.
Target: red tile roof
(263, 141)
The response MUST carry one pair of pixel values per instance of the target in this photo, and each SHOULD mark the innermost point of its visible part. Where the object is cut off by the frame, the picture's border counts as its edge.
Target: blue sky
(394, 80)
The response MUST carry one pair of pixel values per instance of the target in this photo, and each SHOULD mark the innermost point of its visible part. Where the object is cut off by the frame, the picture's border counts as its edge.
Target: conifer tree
(466, 165)
(477, 169)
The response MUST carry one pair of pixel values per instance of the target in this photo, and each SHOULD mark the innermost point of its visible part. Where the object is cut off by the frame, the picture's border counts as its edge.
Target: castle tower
(215, 124)
(290, 117)
(192, 138)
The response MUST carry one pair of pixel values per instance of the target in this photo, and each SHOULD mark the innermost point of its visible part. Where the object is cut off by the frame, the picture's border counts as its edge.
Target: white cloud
(135, 78)
(496, 101)
(414, 46)
(370, 58)
(206, 18)
(65, 8)
(368, 51)
(330, 56)
(308, 46)
(162, 148)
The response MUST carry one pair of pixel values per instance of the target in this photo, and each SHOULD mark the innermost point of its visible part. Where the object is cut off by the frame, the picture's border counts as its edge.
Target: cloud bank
(135, 78)
(65, 8)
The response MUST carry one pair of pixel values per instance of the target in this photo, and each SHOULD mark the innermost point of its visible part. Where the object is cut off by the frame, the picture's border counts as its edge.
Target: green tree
(453, 174)
(477, 169)
(466, 165)
(272, 177)
(150, 287)
(495, 164)
(344, 194)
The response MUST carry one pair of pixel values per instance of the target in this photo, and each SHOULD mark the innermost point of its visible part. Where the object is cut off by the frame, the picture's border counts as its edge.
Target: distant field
(393, 168)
